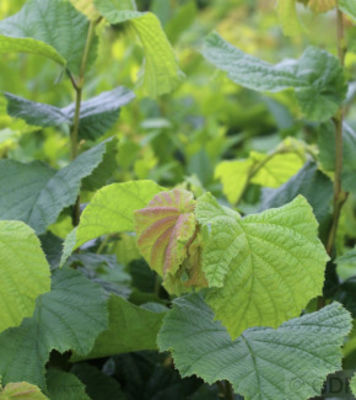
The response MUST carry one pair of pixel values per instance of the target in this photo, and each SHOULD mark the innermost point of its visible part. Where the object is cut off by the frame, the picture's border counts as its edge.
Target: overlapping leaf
(167, 231)
(161, 72)
(289, 362)
(70, 317)
(131, 328)
(265, 267)
(24, 272)
(112, 209)
(36, 194)
(21, 391)
(37, 29)
(65, 386)
(97, 115)
(317, 77)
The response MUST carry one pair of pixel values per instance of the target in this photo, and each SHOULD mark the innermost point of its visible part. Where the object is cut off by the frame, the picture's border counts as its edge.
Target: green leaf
(290, 362)
(353, 385)
(131, 328)
(24, 272)
(97, 115)
(320, 6)
(60, 321)
(262, 169)
(21, 391)
(36, 194)
(316, 187)
(37, 29)
(65, 386)
(265, 267)
(317, 77)
(112, 209)
(348, 7)
(99, 386)
(166, 236)
(161, 71)
(288, 17)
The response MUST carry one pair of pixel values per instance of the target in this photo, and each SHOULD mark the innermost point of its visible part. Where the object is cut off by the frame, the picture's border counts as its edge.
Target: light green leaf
(97, 115)
(265, 267)
(320, 6)
(21, 391)
(290, 362)
(348, 7)
(316, 187)
(268, 170)
(37, 29)
(353, 385)
(131, 328)
(161, 71)
(112, 209)
(288, 17)
(70, 317)
(65, 386)
(167, 238)
(317, 77)
(36, 194)
(24, 272)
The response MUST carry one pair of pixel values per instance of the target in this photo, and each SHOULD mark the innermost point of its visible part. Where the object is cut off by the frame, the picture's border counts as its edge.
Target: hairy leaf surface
(289, 362)
(65, 386)
(265, 267)
(70, 317)
(317, 77)
(24, 272)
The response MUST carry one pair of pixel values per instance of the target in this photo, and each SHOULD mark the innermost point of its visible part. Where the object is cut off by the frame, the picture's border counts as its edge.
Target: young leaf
(37, 29)
(317, 77)
(290, 362)
(36, 194)
(21, 391)
(112, 209)
(316, 187)
(265, 267)
(131, 328)
(161, 71)
(65, 386)
(287, 12)
(97, 114)
(167, 231)
(24, 272)
(60, 321)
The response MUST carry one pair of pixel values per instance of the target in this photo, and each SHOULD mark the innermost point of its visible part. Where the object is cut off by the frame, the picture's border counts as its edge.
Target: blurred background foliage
(181, 136)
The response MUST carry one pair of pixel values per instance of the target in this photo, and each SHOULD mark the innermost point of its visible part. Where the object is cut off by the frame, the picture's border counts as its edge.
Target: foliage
(177, 199)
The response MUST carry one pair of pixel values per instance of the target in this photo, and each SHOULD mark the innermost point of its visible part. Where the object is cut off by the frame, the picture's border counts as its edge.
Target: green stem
(339, 195)
(78, 87)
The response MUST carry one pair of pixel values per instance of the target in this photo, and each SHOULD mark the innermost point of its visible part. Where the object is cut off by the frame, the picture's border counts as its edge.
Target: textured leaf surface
(131, 328)
(70, 317)
(97, 115)
(274, 172)
(53, 28)
(166, 228)
(317, 77)
(36, 194)
(24, 272)
(112, 209)
(265, 267)
(290, 362)
(161, 72)
(21, 391)
(65, 386)
(316, 187)
(348, 7)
